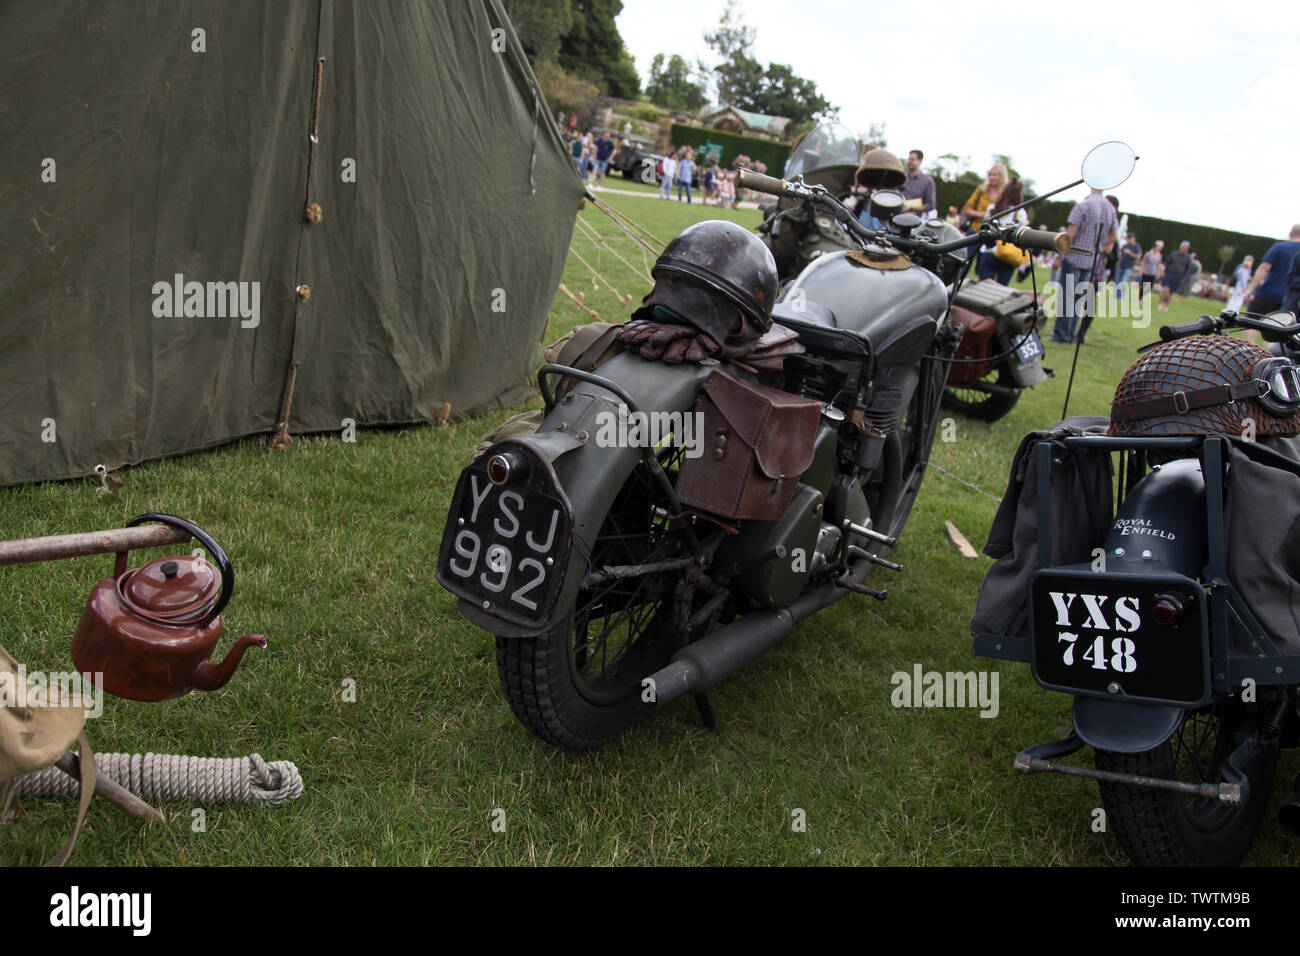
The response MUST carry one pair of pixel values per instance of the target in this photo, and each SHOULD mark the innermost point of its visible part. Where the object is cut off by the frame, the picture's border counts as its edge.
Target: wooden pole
(54, 547)
(111, 790)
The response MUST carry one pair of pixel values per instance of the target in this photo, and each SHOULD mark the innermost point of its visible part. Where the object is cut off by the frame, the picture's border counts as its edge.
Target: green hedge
(1205, 240)
(733, 145)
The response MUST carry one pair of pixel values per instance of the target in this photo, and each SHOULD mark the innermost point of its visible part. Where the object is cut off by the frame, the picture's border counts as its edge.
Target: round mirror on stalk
(1282, 321)
(1278, 326)
(1107, 165)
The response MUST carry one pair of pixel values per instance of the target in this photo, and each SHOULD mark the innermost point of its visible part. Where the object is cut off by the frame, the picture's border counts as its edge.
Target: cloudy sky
(1208, 94)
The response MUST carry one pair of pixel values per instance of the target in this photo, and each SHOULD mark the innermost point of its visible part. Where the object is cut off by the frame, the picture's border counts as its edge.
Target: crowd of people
(591, 153)
(1104, 249)
(680, 168)
(679, 172)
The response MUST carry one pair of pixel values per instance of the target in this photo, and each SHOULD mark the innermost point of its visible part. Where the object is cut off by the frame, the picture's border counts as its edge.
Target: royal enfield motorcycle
(1163, 593)
(1000, 353)
(740, 464)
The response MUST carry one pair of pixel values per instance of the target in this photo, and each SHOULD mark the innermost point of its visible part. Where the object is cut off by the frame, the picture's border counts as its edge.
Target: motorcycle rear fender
(591, 474)
(1123, 726)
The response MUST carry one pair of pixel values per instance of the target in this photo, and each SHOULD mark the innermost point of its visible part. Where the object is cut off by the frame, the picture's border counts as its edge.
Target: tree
(672, 84)
(739, 82)
(875, 136)
(540, 25)
(784, 93)
(565, 91)
(731, 37)
(593, 48)
(736, 74)
(1005, 160)
(948, 167)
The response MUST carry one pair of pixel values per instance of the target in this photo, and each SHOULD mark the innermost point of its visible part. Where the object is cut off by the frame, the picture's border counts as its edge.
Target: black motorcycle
(1161, 593)
(1000, 353)
(687, 502)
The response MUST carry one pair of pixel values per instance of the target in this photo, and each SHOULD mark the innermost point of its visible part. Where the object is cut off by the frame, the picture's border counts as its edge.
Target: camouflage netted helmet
(880, 169)
(1206, 384)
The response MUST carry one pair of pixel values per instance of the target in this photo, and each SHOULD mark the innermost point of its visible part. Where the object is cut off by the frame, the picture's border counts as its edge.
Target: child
(727, 190)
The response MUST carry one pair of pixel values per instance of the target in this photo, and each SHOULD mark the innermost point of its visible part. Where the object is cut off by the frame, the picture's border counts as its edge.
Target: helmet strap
(1182, 402)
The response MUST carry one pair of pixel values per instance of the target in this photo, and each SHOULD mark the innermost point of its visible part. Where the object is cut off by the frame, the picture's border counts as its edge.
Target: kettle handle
(218, 555)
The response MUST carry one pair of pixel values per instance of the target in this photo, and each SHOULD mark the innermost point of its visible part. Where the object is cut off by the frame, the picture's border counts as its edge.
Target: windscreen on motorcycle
(826, 156)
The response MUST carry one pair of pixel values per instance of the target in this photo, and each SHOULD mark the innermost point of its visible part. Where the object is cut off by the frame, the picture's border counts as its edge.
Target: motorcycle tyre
(1155, 828)
(991, 406)
(539, 674)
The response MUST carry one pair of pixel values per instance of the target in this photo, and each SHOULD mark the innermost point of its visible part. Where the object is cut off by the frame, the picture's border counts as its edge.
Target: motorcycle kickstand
(843, 582)
(706, 711)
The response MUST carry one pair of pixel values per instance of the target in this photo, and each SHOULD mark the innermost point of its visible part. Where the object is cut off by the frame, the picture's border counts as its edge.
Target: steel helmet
(1207, 384)
(880, 169)
(728, 259)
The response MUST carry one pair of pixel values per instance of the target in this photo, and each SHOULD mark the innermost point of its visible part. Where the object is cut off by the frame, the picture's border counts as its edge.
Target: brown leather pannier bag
(757, 441)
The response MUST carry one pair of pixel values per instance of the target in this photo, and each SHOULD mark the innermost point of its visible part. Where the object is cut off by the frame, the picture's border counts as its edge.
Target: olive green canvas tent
(215, 211)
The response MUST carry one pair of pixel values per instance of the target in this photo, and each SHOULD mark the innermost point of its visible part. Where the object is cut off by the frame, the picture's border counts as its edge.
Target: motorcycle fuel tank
(895, 309)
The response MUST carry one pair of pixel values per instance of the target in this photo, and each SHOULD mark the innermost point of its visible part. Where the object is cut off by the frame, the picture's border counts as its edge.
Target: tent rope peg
(578, 305)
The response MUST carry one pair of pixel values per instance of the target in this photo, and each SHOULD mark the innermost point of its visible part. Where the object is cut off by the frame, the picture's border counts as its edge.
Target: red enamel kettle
(150, 630)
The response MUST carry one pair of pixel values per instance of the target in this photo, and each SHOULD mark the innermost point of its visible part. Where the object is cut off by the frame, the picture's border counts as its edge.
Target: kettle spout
(210, 676)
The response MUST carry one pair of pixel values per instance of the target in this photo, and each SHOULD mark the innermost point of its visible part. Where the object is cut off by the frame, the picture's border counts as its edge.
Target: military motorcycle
(688, 501)
(1161, 593)
(1000, 353)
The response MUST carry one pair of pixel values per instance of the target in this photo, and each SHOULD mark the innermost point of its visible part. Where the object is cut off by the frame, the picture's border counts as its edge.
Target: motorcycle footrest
(1038, 759)
(857, 552)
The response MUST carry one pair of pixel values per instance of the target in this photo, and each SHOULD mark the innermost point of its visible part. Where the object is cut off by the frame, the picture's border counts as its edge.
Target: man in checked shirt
(1094, 217)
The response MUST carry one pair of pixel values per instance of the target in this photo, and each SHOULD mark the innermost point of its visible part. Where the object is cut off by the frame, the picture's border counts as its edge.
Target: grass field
(335, 546)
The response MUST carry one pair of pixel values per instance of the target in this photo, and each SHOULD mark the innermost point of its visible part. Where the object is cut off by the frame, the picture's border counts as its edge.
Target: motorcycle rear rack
(1037, 759)
(1227, 672)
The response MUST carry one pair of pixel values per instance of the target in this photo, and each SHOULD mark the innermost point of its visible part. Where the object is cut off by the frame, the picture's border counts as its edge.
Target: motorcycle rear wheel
(1168, 828)
(578, 685)
(983, 406)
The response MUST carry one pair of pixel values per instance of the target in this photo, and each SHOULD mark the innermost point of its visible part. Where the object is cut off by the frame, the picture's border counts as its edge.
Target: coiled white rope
(164, 777)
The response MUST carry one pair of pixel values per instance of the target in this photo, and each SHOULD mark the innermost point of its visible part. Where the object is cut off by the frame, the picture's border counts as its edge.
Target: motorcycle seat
(818, 329)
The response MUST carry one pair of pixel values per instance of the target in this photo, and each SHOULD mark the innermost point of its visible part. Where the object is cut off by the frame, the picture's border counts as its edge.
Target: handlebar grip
(1028, 238)
(1204, 325)
(748, 179)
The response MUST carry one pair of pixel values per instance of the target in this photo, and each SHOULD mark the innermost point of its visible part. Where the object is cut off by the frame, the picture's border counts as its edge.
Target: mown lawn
(335, 546)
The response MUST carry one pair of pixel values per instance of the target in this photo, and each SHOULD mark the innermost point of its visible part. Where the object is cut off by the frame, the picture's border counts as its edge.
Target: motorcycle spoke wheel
(1168, 828)
(615, 623)
(578, 685)
(981, 405)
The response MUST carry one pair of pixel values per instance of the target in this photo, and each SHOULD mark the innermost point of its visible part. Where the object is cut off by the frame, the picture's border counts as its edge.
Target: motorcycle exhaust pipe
(698, 666)
(1288, 815)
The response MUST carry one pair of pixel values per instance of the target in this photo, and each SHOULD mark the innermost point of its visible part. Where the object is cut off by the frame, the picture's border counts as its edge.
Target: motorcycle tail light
(1167, 610)
(506, 467)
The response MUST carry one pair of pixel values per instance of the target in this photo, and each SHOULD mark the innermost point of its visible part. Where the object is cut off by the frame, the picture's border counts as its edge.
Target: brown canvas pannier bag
(757, 441)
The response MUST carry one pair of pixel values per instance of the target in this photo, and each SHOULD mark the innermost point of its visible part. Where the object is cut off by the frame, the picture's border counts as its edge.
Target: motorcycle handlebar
(1028, 238)
(1202, 326)
(748, 179)
(1021, 236)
